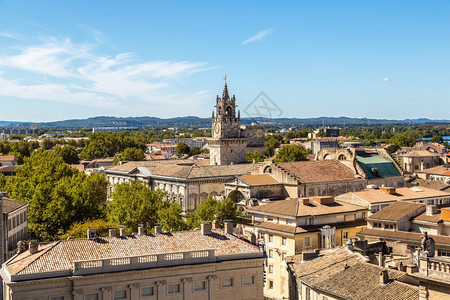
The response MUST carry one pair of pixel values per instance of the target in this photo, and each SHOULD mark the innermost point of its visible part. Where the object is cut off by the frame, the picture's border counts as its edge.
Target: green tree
(437, 139)
(133, 204)
(256, 156)
(68, 154)
(291, 153)
(79, 229)
(57, 195)
(270, 145)
(182, 148)
(211, 209)
(170, 217)
(130, 154)
(402, 140)
(392, 148)
(47, 144)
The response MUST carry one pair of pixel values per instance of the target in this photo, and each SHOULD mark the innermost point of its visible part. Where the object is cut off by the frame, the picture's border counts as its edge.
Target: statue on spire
(225, 95)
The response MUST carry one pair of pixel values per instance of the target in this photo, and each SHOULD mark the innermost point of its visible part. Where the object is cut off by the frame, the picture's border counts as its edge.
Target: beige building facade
(206, 264)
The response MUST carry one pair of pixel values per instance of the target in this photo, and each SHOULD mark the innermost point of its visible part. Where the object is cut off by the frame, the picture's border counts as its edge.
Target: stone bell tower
(227, 146)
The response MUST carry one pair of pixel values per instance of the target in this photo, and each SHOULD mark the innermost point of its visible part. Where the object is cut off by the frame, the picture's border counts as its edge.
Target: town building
(419, 160)
(187, 182)
(14, 225)
(190, 142)
(439, 173)
(343, 274)
(376, 198)
(167, 147)
(434, 277)
(230, 141)
(198, 264)
(288, 227)
(8, 160)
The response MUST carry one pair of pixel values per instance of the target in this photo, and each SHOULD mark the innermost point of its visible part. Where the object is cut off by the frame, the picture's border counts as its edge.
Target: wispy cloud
(62, 71)
(259, 36)
(387, 79)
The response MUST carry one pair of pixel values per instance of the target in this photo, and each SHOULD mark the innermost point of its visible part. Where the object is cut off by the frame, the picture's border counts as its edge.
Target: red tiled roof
(261, 179)
(61, 255)
(7, 158)
(396, 211)
(317, 171)
(403, 236)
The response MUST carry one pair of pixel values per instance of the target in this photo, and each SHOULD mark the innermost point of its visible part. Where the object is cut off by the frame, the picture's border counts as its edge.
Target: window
(389, 226)
(283, 256)
(57, 298)
(270, 238)
(345, 235)
(173, 288)
(227, 282)
(288, 222)
(443, 253)
(248, 280)
(307, 241)
(91, 297)
(269, 218)
(270, 253)
(284, 241)
(147, 291)
(199, 285)
(376, 225)
(119, 295)
(271, 284)
(270, 269)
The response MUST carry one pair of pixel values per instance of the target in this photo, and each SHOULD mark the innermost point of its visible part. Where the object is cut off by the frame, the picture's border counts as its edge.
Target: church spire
(225, 95)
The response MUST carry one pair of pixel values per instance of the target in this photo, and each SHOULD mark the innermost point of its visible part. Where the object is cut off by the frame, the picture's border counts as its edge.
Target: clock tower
(227, 145)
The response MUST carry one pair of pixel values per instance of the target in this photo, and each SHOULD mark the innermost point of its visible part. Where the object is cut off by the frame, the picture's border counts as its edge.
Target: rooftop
(439, 170)
(348, 275)
(370, 161)
(397, 210)
(7, 158)
(61, 255)
(420, 153)
(294, 208)
(403, 193)
(403, 236)
(10, 205)
(317, 171)
(186, 169)
(261, 179)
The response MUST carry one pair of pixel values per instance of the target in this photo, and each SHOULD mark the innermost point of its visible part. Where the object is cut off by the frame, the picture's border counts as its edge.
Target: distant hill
(188, 121)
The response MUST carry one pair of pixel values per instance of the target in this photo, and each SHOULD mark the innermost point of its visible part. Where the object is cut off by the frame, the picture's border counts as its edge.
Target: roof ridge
(37, 258)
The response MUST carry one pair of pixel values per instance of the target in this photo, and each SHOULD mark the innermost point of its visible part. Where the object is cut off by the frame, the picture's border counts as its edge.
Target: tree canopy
(291, 153)
(212, 209)
(130, 154)
(182, 148)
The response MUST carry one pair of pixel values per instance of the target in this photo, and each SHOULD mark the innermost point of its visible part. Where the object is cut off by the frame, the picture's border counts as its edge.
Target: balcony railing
(84, 267)
(437, 267)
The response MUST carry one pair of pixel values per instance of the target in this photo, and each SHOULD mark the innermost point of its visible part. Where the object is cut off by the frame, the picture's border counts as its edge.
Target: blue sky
(78, 59)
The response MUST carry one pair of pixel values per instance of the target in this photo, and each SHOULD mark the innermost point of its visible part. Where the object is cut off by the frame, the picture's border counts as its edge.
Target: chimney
(388, 190)
(141, 229)
(21, 247)
(158, 228)
(380, 259)
(304, 201)
(384, 277)
(33, 246)
(122, 231)
(205, 227)
(324, 200)
(215, 224)
(431, 210)
(229, 226)
(91, 233)
(112, 232)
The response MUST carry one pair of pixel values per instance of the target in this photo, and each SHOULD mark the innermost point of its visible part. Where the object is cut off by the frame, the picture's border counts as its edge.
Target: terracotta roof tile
(293, 207)
(439, 170)
(317, 171)
(62, 254)
(350, 276)
(7, 158)
(397, 210)
(403, 236)
(261, 179)
(9, 205)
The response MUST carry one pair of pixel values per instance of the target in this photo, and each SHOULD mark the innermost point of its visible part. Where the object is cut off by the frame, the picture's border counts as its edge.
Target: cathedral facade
(230, 141)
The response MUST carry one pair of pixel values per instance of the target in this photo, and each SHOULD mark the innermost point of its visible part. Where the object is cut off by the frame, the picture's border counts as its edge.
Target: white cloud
(257, 37)
(62, 71)
(387, 79)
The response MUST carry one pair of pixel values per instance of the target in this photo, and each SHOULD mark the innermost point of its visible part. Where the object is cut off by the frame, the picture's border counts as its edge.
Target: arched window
(228, 111)
(268, 170)
(342, 157)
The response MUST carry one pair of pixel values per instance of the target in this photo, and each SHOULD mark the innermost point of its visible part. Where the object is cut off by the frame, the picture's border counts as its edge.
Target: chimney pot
(431, 210)
(33, 246)
(384, 277)
(229, 226)
(158, 228)
(122, 231)
(112, 232)
(205, 227)
(215, 224)
(21, 247)
(141, 229)
(91, 233)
